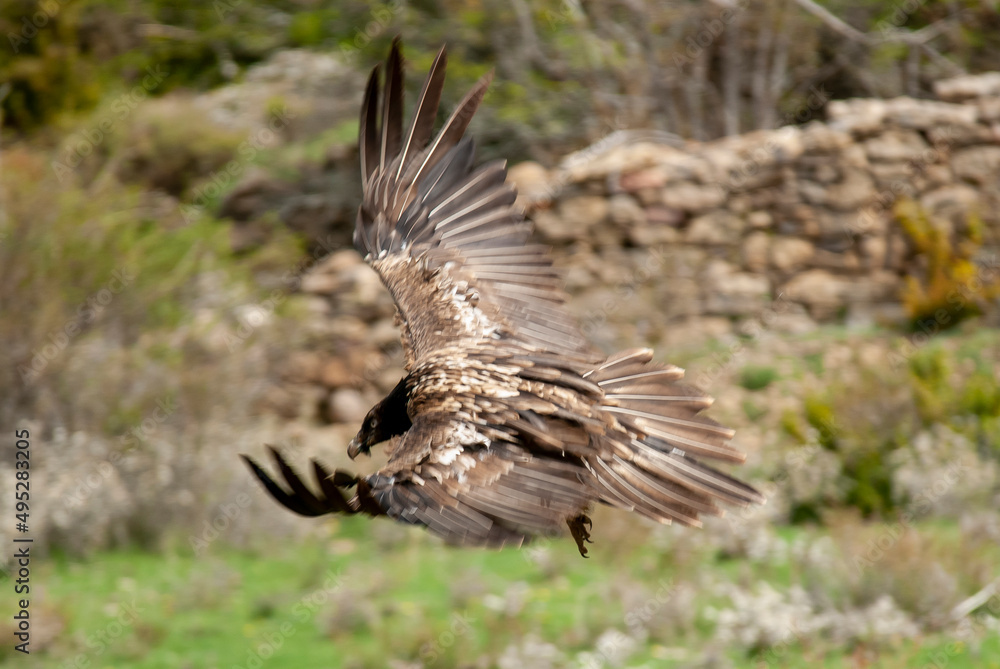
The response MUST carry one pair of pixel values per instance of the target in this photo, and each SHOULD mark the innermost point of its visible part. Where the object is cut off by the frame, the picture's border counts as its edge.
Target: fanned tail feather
(660, 479)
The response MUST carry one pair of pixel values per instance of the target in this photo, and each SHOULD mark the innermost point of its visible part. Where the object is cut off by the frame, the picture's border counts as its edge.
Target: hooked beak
(354, 448)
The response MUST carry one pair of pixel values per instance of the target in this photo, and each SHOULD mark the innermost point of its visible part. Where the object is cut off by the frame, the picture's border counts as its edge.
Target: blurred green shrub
(86, 270)
(50, 72)
(169, 145)
(866, 419)
(969, 402)
(952, 287)
(757, 377)
(69, 55)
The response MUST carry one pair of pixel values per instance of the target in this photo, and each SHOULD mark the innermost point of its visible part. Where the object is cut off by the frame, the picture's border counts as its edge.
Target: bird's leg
(579, 527)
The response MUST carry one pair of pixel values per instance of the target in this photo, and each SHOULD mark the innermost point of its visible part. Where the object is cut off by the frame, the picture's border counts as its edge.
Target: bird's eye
(373, 423)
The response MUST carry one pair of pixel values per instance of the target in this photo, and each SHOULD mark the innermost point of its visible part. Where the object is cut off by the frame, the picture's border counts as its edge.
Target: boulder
(835, 229)
(821, 138)
(979, 165)
(859, 117)
(653, 234)
(319, 283)
(624, 211)
(946, 138)
(384, 333)
(822, 293)
(896, 145)
(825, 294)
(346, 405)
(717, 227)
(787, 317)
(888, 174)
(335, 374)
(651, 178)
(839, 261)
(759, 220)
(533, 182)
(665, 216)
(968, 86)
(302, 367)
(729, 292)
(693, 198)
(925, 114)
(874, 250)
(853, 191)
(954, 202)
(554, 228)
(790, 253)
(755, 251)
(682, 333)
(989, 110)
(584, 211)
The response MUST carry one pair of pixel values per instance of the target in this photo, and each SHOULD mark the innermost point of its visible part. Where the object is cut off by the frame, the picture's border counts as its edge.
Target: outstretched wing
(445, 236)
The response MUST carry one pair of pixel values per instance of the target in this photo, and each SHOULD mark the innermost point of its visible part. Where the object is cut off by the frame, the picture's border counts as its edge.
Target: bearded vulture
(508, 424)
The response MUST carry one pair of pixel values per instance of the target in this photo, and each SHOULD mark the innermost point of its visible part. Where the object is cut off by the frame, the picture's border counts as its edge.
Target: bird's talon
(579, 527)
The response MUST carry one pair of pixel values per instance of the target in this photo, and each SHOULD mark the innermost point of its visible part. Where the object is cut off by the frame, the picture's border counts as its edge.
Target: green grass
(353, 602)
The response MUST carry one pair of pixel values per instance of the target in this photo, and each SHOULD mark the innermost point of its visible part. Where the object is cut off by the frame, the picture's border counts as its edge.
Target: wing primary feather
(497, 197)
(427, 107)
(290, 502)
(368, 131)
(489, 218)
(448, 171)
(641, 354)
(649, 506)
(392, 107)
(660, 398)
(641, 478)
(299, 489)
(455, 127)
(478, 177)
(275, 490)
(703, 424)
(700, 447)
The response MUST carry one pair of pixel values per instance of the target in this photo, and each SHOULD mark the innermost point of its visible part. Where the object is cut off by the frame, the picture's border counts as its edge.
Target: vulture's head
(371, 433)
(386, 420)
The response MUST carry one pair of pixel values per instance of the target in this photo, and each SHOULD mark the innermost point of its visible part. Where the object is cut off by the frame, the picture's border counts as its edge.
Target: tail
(651, 469)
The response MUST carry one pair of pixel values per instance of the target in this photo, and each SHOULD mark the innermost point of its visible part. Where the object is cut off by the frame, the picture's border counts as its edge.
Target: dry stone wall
(709, 234)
